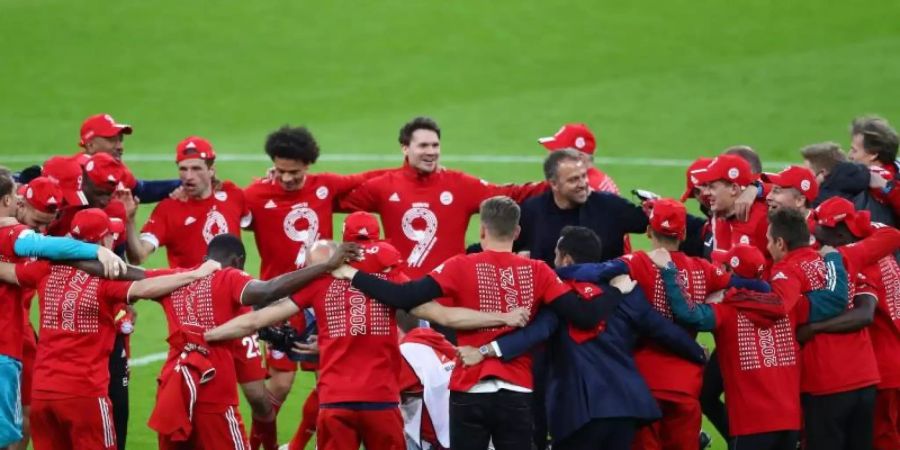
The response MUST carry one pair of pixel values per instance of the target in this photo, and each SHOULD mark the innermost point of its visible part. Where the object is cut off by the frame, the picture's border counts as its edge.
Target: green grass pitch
(654, 79)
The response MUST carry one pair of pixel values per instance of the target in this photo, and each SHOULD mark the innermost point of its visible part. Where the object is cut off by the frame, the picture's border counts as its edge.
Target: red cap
(101, 125)
(43, 194)
(699, 163)
(726, 167)
(668, 217)
(105, 171)
(795, 177)
(90, 225)
(378, 256)
(745, 260)
(194, 147)
(572, 135)
(361, 226)
(837, 209)
(67, 172)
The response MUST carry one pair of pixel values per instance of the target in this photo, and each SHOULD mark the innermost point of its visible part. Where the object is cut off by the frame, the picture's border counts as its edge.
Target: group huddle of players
(793, 272)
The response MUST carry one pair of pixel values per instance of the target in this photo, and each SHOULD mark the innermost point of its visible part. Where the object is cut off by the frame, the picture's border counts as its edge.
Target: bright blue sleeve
(831, 301)
(36, 245)
(521, 341)
(152, 191)
(749, 284)
(700, 317)
(593, 272)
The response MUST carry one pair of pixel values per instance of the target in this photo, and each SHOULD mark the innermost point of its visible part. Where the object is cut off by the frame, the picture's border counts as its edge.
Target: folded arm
(519, 342)
(460, 318)
(404, 296)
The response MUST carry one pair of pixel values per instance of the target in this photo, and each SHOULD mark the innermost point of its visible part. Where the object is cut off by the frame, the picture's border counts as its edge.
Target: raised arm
(159, 286)
(405, 296)
(247, 324)
(700, 316)
(260, 292)
(137, 250)
(469, 319)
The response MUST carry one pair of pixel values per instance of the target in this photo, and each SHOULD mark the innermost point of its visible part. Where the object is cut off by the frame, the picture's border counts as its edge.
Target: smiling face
(721, 195)
(783, 197)
(112, 145)
(423, 151)
(569, 185)
(290, 173)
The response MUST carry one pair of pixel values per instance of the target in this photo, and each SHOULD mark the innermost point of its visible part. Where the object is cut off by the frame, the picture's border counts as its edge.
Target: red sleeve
(112, 291)
(304, 298)
(344, 184)
(480, 190)
(235, 281)
(787, 286)
(156, 223)
(8, 239)
(864, 285)
(363, 198)
(547, 285)
(717, 278)
(884, 241)
(893, 197)
(449, 276)
(31, 273)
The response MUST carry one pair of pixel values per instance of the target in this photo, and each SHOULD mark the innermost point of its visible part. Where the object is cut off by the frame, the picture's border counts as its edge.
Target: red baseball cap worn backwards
(668, 217)
(837, 209)
(744, 260)
(68, 174)
(194, 147)
(43, 194)
(90, 225)
(102, 125)
(795, 177)
(572, 135)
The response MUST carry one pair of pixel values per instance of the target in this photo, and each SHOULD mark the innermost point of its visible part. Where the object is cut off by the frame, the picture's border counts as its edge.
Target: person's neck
(495, 245)
(672, 247)
(562, 202)
(203, 196)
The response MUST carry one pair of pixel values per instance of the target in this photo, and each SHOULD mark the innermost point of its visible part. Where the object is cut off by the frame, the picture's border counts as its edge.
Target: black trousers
(118, 390)
(601, 434)
(842, 421)
(775, 440)
(477, 419)
(711, 395)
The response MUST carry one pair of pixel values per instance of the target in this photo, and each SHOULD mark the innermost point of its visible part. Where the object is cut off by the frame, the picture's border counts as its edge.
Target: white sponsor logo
(270, 204)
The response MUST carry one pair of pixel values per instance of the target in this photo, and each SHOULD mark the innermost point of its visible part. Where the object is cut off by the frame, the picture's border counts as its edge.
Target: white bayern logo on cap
(733, 173)
(805, 185)
(579, 142)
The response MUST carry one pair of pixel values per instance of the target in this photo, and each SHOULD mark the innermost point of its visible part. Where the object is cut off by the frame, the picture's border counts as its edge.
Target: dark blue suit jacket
(599, 379)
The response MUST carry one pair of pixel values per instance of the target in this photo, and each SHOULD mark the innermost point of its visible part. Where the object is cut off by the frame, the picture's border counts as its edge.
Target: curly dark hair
(295, 143)
(419, 123)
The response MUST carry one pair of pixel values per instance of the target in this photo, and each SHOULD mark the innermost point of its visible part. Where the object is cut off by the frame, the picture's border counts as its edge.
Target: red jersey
(495, 282)
(425, 216)
(12, 307)
(208, 303)
(830, 363)
(286, 223)
(730, 231)
(601, 182)
(186, 227)
(359, 357)
(885, 329)
(663, 370)
(760, 372)
(77, 329)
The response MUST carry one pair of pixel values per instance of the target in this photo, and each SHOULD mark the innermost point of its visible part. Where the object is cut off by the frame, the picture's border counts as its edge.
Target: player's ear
(481, 231)
(516, 233)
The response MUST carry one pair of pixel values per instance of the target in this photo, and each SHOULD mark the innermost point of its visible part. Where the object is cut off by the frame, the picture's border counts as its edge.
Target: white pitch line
(146, 360)
(395, 158)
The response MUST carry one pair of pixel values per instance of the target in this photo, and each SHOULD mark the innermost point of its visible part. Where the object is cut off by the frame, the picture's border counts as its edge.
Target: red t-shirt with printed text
(359, 358)
(77, 329)
(760, 371)
(728, 232)
(425, 216)
(664, 371)
(186, 227)
(206, 304)
(495, 282)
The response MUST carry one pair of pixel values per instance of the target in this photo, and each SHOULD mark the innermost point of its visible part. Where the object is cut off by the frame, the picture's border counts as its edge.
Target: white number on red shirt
(251, 345)
(424, 238)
